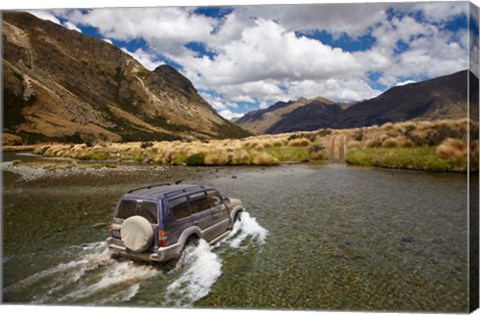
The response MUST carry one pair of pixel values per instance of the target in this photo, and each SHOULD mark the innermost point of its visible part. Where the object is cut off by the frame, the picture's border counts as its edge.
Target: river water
(318, 237)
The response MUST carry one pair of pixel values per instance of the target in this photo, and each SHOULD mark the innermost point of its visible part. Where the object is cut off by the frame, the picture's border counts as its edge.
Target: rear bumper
(162, 254)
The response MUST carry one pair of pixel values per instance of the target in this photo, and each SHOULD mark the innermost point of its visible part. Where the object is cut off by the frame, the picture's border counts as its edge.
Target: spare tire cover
(136, 233)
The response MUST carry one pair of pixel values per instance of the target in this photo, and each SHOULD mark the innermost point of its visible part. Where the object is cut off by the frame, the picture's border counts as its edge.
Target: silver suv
(156, 223)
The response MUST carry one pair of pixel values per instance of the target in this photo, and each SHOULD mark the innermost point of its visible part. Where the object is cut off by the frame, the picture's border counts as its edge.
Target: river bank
(442, 146)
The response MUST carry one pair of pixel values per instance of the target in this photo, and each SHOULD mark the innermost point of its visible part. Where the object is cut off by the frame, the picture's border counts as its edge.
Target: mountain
(312, 116)
(444, 97)
(275, 119)
(61, 85)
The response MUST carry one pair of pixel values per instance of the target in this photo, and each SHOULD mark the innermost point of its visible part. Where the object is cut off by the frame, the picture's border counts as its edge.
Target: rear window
(128, 208)
(199, 202)
(179, 208)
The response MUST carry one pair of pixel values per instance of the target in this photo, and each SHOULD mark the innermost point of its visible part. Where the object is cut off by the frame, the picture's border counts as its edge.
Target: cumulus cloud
(148, 60)
(255, 55)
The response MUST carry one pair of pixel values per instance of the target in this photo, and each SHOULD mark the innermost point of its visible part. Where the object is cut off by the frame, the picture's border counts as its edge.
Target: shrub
(405, 143)
(372, 143)
(387, 126)
(390, 143)
(315, 148)
(452, 149)
(196, 159)
(324, 132)
(358, 135)
(146, 144)
(301, 142)
(263, 158)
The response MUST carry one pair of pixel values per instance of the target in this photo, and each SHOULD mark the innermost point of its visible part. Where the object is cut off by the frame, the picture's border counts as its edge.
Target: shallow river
(315, 237)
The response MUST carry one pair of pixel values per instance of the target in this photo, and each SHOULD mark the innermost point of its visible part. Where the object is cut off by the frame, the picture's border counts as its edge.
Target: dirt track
(338, 149)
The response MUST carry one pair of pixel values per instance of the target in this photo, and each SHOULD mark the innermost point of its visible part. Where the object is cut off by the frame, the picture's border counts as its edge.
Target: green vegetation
(289, 154)
(407, 145)
(418, 158)
(197, 159)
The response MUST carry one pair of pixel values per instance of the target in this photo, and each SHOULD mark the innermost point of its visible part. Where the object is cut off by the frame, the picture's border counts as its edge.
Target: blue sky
(243, 58)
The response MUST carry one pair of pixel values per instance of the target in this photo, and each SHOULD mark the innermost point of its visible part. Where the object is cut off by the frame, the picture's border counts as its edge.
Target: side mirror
(227, 200)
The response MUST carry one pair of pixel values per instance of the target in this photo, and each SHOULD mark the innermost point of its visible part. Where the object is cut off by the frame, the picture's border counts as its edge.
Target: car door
(220, 215)
(178, 218)
(201, 214)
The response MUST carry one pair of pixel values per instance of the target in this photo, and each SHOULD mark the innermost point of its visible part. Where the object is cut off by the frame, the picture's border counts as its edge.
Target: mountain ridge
(444, 97)
(61, 85)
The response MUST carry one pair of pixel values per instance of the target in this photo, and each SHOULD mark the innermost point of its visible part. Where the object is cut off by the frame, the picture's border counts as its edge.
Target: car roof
(160, 191)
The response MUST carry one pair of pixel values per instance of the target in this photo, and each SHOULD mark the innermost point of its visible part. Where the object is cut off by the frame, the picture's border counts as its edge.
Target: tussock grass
(301, 142)
(452, 149)
(436, 145)
(263, 158)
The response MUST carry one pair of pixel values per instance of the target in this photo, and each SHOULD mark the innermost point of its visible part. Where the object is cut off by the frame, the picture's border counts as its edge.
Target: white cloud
(259, 59)
(45, 15)
(441, 11)
(227, 114)
(148, 60)
(72, 26)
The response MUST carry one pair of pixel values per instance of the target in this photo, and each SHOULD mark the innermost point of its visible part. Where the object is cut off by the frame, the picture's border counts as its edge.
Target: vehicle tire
(238, 217)
(190, 245)
(137, 234)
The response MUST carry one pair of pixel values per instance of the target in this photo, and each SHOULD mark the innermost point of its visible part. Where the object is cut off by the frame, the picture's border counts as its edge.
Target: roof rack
(150, 186)
(183, 190)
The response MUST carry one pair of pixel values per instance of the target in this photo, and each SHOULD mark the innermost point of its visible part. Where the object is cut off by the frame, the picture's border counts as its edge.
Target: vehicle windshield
(128, 208)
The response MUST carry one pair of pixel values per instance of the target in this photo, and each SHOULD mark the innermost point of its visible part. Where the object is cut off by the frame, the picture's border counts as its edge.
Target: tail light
(162, 239)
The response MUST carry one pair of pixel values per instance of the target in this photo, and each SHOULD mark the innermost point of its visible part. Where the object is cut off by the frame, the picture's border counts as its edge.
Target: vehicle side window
(179, 208)
(198, 202)
(214, 199)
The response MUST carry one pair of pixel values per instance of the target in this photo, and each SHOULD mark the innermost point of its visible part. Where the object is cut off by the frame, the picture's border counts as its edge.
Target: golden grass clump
(354, 144)
(262, 158)
(405, 143)
(371, 143)
(318, 155)
(390, 143)
(387, 126)
(300, 142)
(452, 149)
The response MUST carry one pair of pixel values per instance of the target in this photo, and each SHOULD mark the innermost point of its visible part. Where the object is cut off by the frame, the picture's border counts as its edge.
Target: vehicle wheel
(137, 234)
(190, 245)
(238, 217)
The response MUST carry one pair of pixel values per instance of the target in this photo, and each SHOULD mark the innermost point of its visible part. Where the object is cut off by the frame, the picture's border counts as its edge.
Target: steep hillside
(61, 85)
(440, 98)
(264, 120)
(312, 116)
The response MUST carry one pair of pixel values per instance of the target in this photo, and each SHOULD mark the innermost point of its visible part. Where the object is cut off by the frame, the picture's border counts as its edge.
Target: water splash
(247, 227)
(202, 270)
(93, 277)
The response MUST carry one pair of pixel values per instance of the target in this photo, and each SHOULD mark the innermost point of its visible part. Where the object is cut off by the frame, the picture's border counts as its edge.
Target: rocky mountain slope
(60, 85)
(445, 97)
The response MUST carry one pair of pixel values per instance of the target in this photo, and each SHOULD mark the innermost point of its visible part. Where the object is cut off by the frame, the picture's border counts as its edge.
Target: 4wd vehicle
(157, 222)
